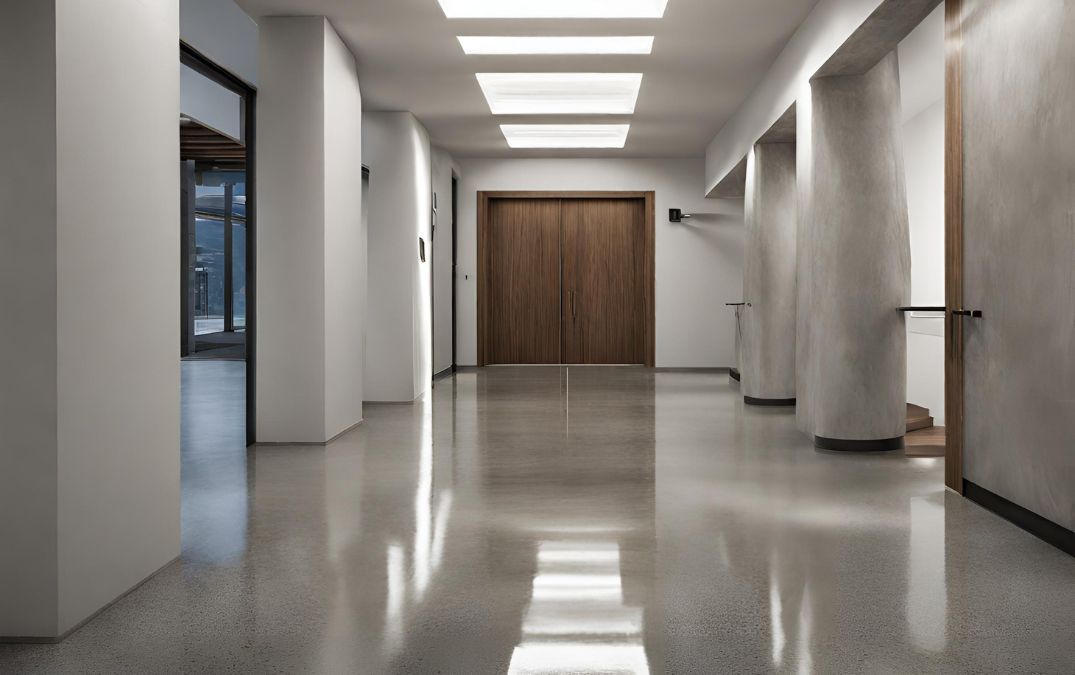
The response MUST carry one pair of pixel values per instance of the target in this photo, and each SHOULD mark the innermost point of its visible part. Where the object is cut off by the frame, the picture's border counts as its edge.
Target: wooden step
(918, 418)
(925, 443)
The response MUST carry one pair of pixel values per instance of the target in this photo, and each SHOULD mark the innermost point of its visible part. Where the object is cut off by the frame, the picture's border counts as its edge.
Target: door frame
(455, 260)
(649, 267)
(953, 237)
(199, 62)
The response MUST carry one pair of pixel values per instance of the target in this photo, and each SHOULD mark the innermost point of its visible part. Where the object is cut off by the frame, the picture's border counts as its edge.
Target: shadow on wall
(733, 216)
(708, 219)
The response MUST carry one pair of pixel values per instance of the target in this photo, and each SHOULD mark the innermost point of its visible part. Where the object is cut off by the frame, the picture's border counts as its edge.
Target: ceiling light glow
(553, 9)
(490, 44)
(561, 93)
(566, 135)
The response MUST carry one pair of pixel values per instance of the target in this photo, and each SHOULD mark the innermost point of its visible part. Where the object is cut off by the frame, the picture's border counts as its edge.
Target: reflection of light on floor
(927, 597)
(423, 505)
(800, 626)
(427, 553)
(429, 527)
(806, 629)
(444, 507)
(577, 620)
(393, 612)
(776, 618)
(578, 657)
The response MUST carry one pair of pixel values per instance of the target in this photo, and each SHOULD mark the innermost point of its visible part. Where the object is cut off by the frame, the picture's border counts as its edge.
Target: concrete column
(769, 288)
(311, 247)
(860, 275)
(89, 264)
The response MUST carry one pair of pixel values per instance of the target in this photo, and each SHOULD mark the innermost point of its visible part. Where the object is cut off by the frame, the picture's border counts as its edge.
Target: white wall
(443, 166)
(220, 30)
(28, 358)
(207, 102)
(102, 400)
(310, 253)
(826, 28)
(345, 240)
(922, 83)
(399, 348)
(698, 262)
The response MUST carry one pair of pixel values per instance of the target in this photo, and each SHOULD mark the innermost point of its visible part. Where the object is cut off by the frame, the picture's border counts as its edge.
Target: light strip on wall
(553, 9)
(566, 135)
(561, 93)
(490, 44)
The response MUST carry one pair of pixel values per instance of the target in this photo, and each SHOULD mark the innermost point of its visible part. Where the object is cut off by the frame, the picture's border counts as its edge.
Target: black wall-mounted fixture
(677, 215)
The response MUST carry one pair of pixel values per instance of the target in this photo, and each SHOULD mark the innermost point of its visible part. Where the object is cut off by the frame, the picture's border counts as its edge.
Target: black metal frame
(198, 62)
(1040, 527)
(769, 402)
(455, 258)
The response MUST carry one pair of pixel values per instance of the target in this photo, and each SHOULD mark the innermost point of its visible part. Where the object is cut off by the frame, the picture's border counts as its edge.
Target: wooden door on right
(603, 289)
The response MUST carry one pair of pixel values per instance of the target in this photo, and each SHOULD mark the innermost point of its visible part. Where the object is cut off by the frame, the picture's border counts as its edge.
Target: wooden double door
(567, 280)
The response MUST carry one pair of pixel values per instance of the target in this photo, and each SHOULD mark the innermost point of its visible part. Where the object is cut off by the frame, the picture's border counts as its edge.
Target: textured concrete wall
(860, 248)
(1019, 168)
(768, 348)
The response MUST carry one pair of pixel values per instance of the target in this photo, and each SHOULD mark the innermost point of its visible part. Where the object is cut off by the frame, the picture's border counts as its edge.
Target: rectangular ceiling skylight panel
(561, 93)
(489, 44)
(566, 135)
(553, 9)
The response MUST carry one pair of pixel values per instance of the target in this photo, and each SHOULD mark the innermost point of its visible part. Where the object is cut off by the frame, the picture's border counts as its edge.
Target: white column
(311, 248)
(400, 350)
(89, 258)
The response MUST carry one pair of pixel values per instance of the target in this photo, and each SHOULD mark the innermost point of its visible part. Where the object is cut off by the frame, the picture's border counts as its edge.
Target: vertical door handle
(958, 314)
(574, 305)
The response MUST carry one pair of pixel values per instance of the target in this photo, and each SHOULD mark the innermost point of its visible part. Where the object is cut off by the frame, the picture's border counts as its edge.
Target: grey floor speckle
(545, 520)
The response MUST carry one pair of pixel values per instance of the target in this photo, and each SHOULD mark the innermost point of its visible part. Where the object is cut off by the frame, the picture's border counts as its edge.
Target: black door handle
(973, 313)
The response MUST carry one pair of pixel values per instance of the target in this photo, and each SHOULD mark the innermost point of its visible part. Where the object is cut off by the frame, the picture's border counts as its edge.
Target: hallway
(577, 520)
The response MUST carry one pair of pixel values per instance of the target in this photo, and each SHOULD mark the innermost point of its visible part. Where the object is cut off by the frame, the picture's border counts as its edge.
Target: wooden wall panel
(524, 281)
(641, 251)
(604, 290)
(953, 217)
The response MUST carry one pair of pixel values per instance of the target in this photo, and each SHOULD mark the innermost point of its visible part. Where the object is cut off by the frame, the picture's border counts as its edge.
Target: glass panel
(209, 275)
(238, 250)
(210, 292)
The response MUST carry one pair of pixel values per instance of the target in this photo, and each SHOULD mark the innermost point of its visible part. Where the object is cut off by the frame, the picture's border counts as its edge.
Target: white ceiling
(707, 57)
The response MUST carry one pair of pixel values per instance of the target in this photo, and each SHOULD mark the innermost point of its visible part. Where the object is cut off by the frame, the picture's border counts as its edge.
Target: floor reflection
(578, 619)
(583, 520)
(927, 594)
(214, 462)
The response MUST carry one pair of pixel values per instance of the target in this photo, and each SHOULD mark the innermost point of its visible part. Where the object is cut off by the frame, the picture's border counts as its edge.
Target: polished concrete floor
(583, 520)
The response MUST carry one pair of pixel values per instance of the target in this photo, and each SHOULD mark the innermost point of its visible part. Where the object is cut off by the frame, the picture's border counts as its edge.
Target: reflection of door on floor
(566, 281)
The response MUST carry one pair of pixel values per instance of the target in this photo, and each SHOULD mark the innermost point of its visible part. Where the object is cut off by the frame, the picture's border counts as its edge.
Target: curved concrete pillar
(768, 349)
(861, 267)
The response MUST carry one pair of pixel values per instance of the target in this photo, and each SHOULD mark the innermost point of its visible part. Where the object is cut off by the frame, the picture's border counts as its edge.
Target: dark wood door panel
(603, 295)
(524, 281)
